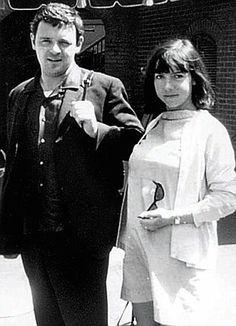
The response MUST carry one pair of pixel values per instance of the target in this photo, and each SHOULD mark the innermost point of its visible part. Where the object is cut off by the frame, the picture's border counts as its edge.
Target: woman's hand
(156, 219)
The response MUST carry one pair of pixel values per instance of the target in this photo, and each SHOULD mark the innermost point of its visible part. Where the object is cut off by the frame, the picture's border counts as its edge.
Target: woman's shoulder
(209, 120)
(211, 126)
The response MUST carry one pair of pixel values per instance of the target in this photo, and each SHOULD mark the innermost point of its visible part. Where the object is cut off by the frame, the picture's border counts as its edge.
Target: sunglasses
(158, 195)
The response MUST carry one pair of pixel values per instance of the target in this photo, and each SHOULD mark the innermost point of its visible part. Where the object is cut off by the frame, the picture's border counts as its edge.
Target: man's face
(55, 48)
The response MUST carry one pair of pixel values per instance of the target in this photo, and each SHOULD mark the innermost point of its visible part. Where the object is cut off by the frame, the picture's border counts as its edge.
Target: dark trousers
(68, 283)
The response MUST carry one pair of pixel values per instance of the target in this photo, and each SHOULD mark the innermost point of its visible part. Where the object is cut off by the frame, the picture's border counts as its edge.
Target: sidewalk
(16, 307)
(16, 304)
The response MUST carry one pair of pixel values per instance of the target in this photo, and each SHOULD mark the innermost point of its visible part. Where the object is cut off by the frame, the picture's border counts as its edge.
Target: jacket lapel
(17, 111)
(73, 88)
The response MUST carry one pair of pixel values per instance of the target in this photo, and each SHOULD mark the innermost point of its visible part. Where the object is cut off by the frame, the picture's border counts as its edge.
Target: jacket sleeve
(220, 198)
(120, 129)
(9, 241)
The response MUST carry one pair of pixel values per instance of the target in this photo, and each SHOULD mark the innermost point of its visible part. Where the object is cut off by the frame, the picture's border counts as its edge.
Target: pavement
(16, 307)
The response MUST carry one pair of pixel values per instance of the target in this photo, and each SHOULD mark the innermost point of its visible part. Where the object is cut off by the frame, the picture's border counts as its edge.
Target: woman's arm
(220, 198)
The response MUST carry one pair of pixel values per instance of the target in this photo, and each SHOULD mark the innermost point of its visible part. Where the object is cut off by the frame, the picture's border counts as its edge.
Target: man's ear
(79, 44)
(32, 38)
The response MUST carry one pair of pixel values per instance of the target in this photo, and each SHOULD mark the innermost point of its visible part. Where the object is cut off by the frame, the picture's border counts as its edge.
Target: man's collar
(32, 84)
(73, 81)
(74, 78)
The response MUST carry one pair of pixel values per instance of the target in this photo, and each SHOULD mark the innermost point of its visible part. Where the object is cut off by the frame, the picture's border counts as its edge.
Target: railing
(93, 57)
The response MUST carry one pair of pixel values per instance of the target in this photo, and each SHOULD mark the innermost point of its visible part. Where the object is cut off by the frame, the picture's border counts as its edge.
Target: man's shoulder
(27, 84)
(101, 77)
(107, 77)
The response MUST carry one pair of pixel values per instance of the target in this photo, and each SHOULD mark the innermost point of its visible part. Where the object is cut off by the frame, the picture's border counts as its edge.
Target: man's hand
(83, 113)
(156, 219)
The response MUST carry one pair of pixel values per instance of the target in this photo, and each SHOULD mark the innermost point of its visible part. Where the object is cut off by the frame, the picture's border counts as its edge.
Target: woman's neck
(188, 105)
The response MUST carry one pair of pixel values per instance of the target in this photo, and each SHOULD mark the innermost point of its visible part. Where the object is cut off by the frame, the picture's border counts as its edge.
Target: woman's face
(175, 89)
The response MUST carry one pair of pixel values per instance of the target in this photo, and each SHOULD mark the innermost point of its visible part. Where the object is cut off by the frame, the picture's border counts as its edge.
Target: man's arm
(120, 128)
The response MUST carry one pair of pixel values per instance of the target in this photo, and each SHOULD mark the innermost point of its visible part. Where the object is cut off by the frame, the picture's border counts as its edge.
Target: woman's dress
(150, 274)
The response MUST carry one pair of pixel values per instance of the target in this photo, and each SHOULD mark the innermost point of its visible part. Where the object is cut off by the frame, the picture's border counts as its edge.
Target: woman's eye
(179, 75)
(158, 76)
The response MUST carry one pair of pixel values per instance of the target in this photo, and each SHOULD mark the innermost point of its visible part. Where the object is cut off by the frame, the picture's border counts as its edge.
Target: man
(68, 131)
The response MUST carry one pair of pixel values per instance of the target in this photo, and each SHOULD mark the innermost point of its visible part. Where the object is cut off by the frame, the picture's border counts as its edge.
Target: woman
(181, 181)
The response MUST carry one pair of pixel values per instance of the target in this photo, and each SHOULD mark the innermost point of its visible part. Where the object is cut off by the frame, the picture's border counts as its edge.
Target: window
(207, 48)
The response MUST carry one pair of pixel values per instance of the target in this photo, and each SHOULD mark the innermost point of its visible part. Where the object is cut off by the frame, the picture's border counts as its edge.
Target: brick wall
(121, 56)
(131, 35)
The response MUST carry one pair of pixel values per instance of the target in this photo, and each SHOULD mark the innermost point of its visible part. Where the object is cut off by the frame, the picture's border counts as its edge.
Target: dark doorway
(17, 59)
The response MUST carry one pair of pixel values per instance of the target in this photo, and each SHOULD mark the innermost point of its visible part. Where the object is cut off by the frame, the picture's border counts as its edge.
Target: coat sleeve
(220, 199)
(120, 128)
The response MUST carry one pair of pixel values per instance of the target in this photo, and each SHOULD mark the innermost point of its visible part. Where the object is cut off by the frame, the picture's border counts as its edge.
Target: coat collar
(73, 81)
(73, 86)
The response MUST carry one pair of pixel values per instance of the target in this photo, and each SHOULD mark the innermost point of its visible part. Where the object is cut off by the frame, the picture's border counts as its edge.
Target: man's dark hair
(58, 14)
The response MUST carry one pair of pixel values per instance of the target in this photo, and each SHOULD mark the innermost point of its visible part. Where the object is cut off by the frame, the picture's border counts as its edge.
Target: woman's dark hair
(58, 14)
(177, 54)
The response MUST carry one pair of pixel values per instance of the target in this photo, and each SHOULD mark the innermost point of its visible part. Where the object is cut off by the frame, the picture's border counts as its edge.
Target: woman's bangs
(171, 62)
(162, 66)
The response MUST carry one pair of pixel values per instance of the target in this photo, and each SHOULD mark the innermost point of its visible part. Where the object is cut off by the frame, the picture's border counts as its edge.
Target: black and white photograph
(117, 163)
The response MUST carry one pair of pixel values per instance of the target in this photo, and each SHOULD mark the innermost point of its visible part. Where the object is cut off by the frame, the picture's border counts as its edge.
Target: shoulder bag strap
(67, 120)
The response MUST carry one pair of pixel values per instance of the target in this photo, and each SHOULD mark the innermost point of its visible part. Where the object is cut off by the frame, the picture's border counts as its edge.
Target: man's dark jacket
(89, 171)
